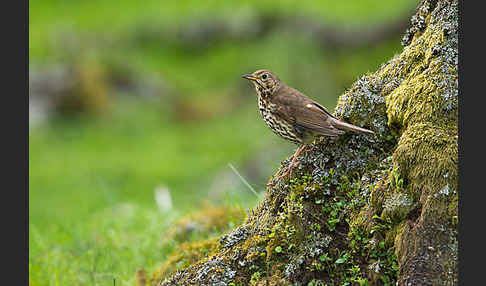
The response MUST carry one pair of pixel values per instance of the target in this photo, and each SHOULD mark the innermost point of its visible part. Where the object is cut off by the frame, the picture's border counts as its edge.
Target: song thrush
(292, 115)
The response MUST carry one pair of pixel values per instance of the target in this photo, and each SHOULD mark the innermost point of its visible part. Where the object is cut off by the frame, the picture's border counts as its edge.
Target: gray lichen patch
(397, 206)
(215, 272)
(364, 104)
(234, 237)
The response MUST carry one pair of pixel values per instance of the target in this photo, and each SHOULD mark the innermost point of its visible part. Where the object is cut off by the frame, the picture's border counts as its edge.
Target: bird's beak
(249, 77)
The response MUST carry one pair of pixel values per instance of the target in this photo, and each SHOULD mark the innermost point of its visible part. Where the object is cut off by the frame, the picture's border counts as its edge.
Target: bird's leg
(293, 163)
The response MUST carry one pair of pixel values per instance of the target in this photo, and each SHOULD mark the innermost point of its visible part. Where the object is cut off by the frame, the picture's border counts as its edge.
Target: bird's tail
(346, 126)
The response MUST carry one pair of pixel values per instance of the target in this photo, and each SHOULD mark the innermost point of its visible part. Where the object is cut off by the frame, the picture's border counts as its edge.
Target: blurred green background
(127, 98)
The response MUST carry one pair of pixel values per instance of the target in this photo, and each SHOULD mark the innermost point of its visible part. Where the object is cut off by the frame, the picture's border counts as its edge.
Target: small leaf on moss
(324, 258)
(340, 260)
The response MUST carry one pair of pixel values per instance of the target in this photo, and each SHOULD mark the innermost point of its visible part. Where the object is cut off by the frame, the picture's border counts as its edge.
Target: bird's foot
(293, 164)
(291, 167)
(288, 172)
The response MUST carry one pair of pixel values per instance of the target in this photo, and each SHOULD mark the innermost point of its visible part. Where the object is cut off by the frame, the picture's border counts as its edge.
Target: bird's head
(265, 81)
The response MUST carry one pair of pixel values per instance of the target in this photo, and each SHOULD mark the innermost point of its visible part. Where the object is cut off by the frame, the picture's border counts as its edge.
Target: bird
(293, 116)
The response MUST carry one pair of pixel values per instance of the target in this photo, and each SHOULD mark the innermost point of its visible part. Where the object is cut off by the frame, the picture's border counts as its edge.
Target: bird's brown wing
(304, 112)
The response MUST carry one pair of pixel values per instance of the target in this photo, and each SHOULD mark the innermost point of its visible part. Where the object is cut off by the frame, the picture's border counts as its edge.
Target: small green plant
(383, 224)
(316, 226)
(343, 258)
(397, 180)
(325, 257)
(255, 277)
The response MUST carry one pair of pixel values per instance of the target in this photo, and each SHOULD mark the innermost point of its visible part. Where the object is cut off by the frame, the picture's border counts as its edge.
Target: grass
(103, 246)
(135, 148)
(92, 214)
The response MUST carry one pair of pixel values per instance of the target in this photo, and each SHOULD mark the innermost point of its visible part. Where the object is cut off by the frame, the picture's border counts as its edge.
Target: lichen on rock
(364, 210)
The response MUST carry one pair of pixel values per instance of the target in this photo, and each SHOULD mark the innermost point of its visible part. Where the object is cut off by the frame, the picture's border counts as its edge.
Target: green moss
(426, 79)
(183, 256)
(424, 145)
(207, 222)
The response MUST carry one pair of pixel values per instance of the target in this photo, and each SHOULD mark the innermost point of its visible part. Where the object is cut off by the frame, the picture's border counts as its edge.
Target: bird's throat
(263, 92)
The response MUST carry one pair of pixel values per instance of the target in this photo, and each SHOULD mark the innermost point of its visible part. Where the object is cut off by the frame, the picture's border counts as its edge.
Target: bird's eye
(264, 76)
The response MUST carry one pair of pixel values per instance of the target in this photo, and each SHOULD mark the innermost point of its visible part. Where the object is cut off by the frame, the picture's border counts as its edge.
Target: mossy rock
(195, 236)
(183, 256)
(364, 210)
(210, 221)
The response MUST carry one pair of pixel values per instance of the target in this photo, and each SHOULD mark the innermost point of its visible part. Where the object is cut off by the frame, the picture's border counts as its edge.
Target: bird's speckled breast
(278, 126)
